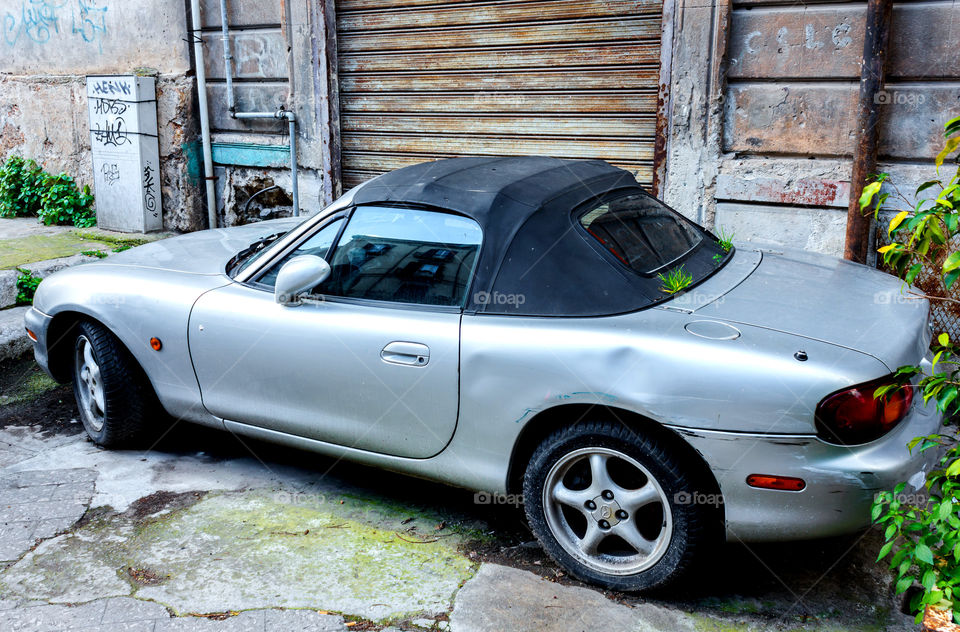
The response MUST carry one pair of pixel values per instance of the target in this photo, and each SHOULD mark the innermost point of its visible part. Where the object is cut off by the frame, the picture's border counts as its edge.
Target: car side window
(405, 256)
(319, 245)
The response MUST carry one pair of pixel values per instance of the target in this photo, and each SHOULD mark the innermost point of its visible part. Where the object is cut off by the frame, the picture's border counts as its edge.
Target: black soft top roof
(535, 259)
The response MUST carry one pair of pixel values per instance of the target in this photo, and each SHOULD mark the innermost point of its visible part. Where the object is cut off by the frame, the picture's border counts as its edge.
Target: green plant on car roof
(922, 536)
(675, 280)
(724, 239)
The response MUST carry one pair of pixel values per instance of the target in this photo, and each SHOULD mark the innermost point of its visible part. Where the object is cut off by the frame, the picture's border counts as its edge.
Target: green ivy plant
(922, 535)
(27, 190)
(63, 202)
(26, 286)
(675, 280)
(21, 185)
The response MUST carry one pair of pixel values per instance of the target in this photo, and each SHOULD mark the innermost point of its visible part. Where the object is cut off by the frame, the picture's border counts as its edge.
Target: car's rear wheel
(111, 393)
(610, 506)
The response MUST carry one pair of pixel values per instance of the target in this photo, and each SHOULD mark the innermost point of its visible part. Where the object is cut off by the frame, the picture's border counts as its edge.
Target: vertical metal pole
(204, 114)
(876, 37)
(293, 165)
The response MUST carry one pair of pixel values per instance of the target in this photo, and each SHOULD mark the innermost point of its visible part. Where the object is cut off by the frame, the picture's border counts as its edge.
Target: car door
(370, 359)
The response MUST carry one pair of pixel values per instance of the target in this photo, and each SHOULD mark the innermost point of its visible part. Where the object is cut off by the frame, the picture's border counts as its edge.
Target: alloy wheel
(607, 510)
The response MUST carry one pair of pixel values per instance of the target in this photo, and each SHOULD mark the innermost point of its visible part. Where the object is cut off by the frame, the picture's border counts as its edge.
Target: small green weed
(725, 240)
(26, 286)
(675, 280)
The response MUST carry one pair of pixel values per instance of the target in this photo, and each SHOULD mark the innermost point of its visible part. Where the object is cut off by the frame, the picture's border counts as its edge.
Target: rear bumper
(841, 481)
(39, 323)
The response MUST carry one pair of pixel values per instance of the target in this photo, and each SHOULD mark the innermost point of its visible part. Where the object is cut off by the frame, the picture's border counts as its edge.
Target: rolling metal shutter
(427, 79)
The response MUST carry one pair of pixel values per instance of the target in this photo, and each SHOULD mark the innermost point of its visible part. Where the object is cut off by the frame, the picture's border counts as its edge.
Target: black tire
(610, 562)
(123, 422)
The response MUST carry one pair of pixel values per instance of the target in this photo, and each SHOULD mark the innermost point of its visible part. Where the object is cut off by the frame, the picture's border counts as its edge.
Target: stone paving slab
(503, 598)
(35, 505)
(29, 442)
(124, 614)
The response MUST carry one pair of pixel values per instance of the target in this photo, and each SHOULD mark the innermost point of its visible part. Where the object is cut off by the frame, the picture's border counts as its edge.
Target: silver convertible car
(503, 325)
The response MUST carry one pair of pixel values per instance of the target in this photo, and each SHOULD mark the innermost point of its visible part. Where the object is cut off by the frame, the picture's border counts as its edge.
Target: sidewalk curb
(13, 338)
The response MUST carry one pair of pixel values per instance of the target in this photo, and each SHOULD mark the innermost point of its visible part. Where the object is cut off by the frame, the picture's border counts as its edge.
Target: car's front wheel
(610, 506)
(109, 388)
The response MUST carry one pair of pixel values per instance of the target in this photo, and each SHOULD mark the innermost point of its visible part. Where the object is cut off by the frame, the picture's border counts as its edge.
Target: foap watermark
(899, 97)
(499, 298)
(684, 497)
(113, 300)
(488, 498)
(916, 499)
(892, 298)
(694, 300)
(286, 497)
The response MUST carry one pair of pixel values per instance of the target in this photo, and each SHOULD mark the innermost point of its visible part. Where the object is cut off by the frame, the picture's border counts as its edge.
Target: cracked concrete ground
(207, 532)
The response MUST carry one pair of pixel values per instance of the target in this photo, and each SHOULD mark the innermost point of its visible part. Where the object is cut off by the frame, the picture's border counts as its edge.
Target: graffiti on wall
(39, 21)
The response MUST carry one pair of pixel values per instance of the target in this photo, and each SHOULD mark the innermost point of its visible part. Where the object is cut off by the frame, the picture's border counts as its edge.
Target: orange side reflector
(155, 344)
(782, 483)
(32, 335)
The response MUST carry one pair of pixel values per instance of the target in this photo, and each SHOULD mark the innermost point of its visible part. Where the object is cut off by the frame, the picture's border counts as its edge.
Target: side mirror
(299, 275)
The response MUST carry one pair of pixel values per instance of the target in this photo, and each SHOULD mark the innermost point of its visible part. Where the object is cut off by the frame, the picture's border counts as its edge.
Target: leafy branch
(922, 535)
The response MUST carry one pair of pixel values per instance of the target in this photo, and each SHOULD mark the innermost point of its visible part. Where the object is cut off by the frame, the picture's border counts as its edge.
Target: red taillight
(855, 416)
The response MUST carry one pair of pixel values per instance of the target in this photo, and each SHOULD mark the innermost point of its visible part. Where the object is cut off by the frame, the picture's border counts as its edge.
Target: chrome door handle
(407, 353)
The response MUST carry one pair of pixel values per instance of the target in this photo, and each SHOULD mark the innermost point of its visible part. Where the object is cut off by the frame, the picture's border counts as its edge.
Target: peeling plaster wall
(47, 50)
(238, 184)
(273, 68)
(694, 140)
(764, 105)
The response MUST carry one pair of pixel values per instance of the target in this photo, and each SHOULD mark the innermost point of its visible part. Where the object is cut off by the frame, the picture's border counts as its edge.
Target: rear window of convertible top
(642, 232)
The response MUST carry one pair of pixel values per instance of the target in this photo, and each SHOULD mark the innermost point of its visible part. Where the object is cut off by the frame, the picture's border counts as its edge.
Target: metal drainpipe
(279, 114)
(876, 37)
(227, 56)
(204, 114)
